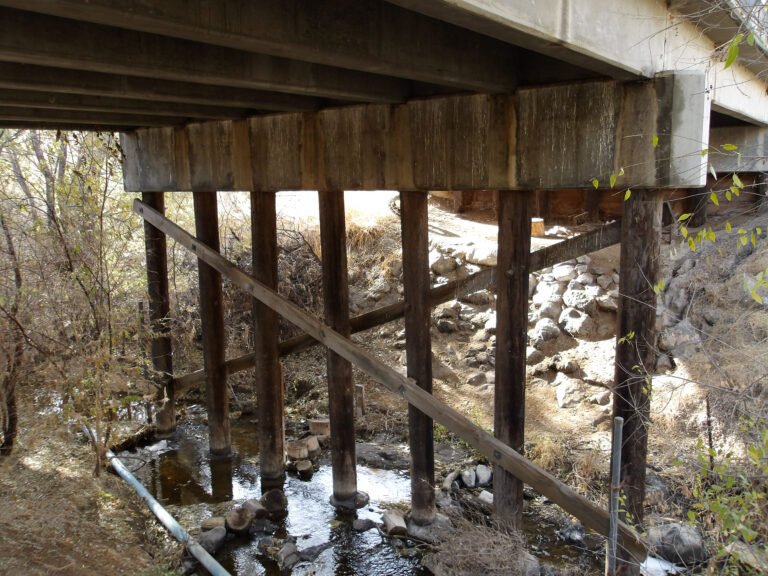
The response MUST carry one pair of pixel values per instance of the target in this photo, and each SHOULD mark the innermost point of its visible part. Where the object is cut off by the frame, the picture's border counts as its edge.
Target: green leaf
(684, 216)
(655, 141)
(692, 244)
(613, 180)
(752, 238)
(756, 296)
(728, 227)
(661, 284)
(714, 199)
(621, 171)
(711, 235)
(743, 240)
(595, 183)
(656, 290)
(691, 516)
(751, 38)
(737, 181)
(733, 50)
(729, 147)
(684, 231)
(759, 230)
(627, 194)
(705, 151)
(728, 195)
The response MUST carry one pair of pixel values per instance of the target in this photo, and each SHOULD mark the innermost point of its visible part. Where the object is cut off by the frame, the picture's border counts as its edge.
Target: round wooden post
(514, 256)
(636, 346)
(418, 348)
(341, 390)
(159, 310)
(269, 382)
(212, 319)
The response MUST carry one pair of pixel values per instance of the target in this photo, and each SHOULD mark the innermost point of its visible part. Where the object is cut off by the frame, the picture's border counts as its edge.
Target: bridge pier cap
(649, 134)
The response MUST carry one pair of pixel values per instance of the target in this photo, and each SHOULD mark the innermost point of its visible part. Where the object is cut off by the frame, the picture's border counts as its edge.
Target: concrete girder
(102, 120)
(750, 155)
(29, 38)
(106, 104)
(364, 35)
(33, 78)
(541, 138)
(623, 39)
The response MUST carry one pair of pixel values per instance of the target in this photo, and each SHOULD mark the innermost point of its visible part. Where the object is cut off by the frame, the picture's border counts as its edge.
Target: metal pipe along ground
(170, 523)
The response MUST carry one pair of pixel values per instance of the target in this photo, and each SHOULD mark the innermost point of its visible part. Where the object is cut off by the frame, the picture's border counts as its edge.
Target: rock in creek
(256, 507)
(213, 539)
(287, 556)
(275, 503)
(212, 522)
(304, 469)
(394, 523)
(238, 520)
(363, 524)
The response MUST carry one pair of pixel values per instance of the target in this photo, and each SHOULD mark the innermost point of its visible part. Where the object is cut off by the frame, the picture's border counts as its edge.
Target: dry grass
(59, 519)
(473, 546)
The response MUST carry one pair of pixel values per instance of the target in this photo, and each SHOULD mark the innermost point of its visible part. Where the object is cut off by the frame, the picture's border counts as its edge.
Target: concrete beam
(570, 135)
(155, 160)
(365, 35)
(81, 102)
(623, 39)
(751, 154)
(103, 119)
(439, 144)
(29, 38)
(544, 138)
(52, 80)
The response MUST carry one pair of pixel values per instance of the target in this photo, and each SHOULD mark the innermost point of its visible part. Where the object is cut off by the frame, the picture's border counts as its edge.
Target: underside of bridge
(409, 95)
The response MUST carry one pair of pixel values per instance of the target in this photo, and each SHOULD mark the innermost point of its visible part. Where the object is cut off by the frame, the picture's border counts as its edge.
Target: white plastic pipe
(202, 556)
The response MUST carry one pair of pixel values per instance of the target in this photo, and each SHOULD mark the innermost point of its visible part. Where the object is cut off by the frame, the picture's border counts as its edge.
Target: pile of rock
(303, 453)
(471, 478)
(254, 518)
(572, 297)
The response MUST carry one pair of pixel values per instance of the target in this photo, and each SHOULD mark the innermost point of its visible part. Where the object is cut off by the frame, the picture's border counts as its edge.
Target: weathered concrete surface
(750, 155)
(552, 137)
(623, 39)
(570, 135)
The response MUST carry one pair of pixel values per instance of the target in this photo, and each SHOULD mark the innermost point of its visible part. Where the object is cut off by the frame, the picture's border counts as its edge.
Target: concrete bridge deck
(121, 64)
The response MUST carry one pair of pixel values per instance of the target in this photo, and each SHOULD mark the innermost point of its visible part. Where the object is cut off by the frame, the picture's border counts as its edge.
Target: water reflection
(181, 475)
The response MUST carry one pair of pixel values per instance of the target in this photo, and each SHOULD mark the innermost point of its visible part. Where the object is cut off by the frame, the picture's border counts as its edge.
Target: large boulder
(564, 272)
(443, 265)
(545, 329)
(569, 391)
(576, 323)
(678, 543)
(548, 292)
(581, 300)
(550, 309)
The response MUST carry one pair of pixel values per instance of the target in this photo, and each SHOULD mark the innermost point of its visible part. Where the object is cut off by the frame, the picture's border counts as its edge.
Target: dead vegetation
(58, 518)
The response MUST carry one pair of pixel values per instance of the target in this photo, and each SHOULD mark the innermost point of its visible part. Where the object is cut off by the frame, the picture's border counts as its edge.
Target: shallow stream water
(192, 486)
